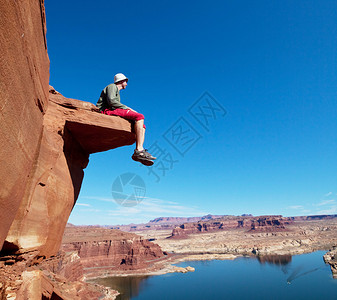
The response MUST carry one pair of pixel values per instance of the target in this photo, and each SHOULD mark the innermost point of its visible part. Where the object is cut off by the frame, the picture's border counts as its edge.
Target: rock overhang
(94, 131)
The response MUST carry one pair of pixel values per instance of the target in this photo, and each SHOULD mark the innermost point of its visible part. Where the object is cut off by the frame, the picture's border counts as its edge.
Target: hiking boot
(144, 154)
(143, 157)
(149, 156)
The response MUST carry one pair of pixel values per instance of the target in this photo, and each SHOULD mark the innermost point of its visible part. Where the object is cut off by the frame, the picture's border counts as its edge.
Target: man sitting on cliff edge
(109, 103)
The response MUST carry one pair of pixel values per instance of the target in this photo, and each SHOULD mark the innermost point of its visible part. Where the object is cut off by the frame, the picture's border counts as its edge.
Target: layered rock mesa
(108, 250)
(46, 139)
(261, 224)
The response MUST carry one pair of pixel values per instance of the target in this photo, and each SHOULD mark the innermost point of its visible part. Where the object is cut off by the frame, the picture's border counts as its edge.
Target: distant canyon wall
(261, 224)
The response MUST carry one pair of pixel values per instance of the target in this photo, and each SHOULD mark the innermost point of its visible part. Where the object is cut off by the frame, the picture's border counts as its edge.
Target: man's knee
(140, 117)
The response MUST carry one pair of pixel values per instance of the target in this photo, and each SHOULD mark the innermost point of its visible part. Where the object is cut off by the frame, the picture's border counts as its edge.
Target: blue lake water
(303, 276)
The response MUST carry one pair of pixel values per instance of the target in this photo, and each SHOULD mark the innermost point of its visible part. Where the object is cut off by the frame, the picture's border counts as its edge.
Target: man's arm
(113, 99)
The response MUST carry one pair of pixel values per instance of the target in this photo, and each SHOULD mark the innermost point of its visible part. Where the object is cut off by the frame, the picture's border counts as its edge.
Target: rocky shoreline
(167, 265)
(331, 259)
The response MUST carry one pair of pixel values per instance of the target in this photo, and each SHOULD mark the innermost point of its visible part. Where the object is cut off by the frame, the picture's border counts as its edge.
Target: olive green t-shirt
(110, 98)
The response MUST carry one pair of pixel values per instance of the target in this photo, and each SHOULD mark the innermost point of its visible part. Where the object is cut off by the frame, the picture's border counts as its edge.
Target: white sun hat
(120, 77)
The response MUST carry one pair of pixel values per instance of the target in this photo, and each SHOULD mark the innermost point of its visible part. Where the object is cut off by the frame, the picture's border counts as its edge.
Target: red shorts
(124, 113)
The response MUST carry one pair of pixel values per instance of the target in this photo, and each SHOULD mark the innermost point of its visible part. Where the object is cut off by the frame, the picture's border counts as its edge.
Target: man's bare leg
(140, 134)
(140, 154)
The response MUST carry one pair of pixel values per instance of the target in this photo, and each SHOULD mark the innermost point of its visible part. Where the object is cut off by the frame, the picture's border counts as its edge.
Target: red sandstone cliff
(24, 72)
(46, 137)
(105, 250)
(46, 141)
(72, 129)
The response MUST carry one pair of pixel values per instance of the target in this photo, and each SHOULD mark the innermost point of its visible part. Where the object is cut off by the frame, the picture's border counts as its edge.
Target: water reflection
(280, 260)
(127, 286)
(283, 262)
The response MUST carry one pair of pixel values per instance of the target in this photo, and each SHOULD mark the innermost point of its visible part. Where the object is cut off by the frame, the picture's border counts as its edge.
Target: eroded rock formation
(107, 250)
(37, 283)
(269, 223)
(59, 277)
(262, 223)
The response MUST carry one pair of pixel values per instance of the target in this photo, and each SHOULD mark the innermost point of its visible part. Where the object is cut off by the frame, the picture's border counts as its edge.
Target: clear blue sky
(270, 64)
